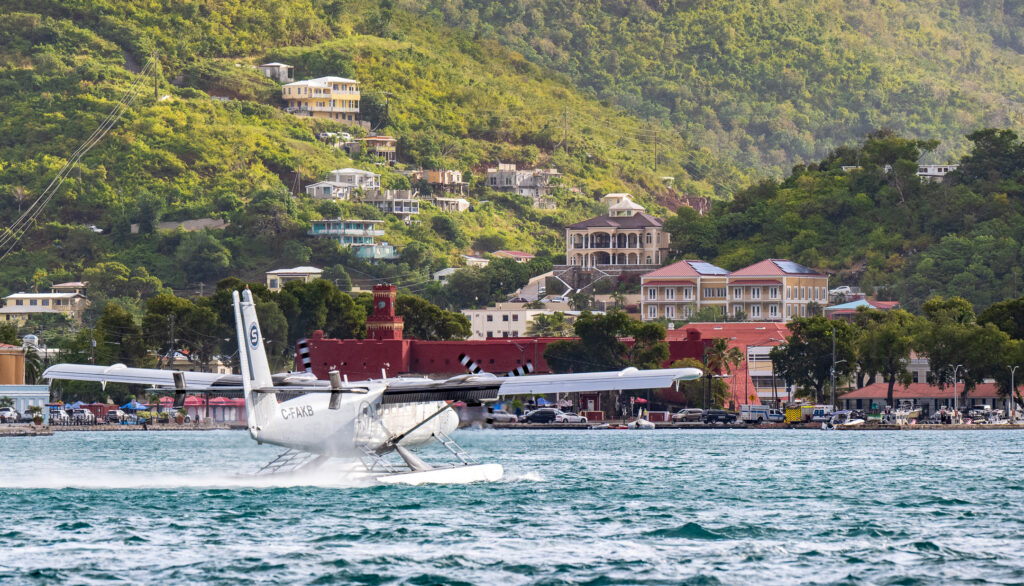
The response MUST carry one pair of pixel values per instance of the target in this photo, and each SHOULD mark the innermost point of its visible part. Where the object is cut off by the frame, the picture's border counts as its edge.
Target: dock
(25, 430)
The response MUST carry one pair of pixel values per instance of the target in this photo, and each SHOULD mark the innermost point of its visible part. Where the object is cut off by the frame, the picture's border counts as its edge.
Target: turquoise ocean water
(591, 507)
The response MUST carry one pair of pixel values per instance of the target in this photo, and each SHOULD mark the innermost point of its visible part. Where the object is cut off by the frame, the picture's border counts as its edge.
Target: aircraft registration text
(293, 412)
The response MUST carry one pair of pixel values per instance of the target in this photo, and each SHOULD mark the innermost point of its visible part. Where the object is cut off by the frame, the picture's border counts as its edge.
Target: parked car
(115, 416)
(569, 417)
(557, 299)
(542, 415)
(501, 416)
(81, 417)
(718, 416)
(59, 417)
(685, 415)
(841, 290)
(519, 300)
(8, 415)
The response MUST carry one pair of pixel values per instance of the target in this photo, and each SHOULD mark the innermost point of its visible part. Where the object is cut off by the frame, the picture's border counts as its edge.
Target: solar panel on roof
(793, 268)
(706, 268)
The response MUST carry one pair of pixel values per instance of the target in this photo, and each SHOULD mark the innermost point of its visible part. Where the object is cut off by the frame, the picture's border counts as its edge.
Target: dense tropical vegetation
(877, 225)
(770, 84)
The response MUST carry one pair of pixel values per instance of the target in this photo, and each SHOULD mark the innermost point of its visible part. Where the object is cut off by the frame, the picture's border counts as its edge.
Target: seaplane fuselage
(307, 423)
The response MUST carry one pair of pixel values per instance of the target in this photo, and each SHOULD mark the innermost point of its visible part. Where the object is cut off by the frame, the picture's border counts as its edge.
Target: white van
(760, 414)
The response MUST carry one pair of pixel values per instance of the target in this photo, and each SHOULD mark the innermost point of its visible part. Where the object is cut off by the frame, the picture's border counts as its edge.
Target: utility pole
(170, 345)
(832, 381)
(92, 352)
(565, 128)
(655, 150)
(156, 75)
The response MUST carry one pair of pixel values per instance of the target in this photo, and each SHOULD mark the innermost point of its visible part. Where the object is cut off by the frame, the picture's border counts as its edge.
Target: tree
(806, 356)
(319, 305)
(8, 333)
(33, 365)
(426, 321)
(202, 257)
(958, 348)
(1007, 315)
(580, 301)
(601, 346)
(884, 344)
(118, 328)
(339, 276)
(6, 401)
(553, 325)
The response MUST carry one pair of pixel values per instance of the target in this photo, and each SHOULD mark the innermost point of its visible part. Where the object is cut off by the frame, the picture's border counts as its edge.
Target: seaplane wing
(482, 387)
(161, 379)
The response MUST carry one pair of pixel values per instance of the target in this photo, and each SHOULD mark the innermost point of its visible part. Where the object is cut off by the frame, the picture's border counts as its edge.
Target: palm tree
(550, 326)
(720, 356)
(20, 195)
(33, 365)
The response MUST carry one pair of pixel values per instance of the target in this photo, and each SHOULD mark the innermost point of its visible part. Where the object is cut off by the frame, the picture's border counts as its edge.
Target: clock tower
(384, 324)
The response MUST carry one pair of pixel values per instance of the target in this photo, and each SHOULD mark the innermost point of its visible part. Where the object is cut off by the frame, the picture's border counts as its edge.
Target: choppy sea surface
(592, 507)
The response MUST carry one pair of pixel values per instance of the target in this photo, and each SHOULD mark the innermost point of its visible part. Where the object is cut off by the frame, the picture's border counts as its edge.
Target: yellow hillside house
(336, 98)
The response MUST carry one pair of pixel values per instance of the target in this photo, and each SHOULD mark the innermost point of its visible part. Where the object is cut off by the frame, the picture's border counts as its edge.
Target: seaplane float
(361, 422)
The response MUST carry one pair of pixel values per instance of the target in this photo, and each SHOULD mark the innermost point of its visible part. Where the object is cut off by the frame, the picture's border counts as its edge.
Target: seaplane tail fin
(255, 367)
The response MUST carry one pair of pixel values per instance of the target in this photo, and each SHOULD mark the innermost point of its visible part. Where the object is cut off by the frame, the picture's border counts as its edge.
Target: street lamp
(1013, 395)
(956, 397)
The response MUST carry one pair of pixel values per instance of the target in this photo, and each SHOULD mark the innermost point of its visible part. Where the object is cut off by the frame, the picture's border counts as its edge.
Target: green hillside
(769, 84)
(179, 154)
(887, 231)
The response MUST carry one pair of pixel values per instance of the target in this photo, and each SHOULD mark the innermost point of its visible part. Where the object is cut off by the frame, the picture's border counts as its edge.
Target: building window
(46, 302)
(652, 293)
(490, 318)
(33, 302)
(670, 311)
(515, 317)
(737, 292)
(708, 292)
(789, 292)
(687, 293)
(755, 311)
(670, 293)
(515, 333)
(755, 292)
(648, 260)
(490, 334)
(720, 292)
(648, 239)
(737, 310)
(773, 310)
(803, 292)
(803, 311)
(504, 317)
(652, 311)
(18, 302)
(688, 311)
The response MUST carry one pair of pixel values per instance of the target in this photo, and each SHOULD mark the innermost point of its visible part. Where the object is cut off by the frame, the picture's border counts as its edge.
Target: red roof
(776, 266)
(687, 268)
(921, 391)
(668, 283)
(755, 282)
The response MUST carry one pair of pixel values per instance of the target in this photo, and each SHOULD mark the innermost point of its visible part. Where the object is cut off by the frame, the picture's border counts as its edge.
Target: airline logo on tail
(254, 336)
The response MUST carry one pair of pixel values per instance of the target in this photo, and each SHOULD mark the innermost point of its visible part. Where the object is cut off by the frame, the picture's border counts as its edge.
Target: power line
(13, 234)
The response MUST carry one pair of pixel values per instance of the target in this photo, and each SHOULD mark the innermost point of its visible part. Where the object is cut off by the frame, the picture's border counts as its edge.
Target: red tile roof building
(930, 398)
(771, 290)
(751, 381)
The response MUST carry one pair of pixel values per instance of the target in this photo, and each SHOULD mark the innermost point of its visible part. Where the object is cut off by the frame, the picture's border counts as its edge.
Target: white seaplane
(360, 421)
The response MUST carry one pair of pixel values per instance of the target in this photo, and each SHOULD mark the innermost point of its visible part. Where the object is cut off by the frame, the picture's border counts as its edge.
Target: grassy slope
(772, 83)
(457, 102)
